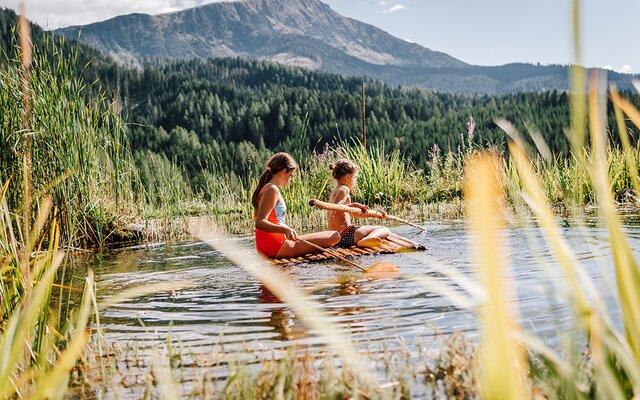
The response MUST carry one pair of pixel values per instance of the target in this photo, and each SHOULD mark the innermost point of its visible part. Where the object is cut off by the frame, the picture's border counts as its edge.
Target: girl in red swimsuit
(274, 238)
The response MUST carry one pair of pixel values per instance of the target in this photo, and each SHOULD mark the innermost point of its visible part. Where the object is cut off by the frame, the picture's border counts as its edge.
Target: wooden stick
(355, 210)
(404, 221)
(331, 252)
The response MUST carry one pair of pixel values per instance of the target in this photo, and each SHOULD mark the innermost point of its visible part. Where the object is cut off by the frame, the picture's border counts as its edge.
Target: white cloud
(395, 8)
(52, 14)
(382, 3)
(625, 69)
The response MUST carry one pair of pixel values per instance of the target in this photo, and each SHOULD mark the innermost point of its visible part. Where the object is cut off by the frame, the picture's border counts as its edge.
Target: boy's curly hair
(343, 167)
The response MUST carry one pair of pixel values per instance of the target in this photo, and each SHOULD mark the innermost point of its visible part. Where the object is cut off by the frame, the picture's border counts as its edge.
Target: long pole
(354, 210)
(364, 120)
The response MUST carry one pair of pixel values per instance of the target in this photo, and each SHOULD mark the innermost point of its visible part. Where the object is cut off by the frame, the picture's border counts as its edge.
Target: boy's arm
(364, 209)
(365, 212)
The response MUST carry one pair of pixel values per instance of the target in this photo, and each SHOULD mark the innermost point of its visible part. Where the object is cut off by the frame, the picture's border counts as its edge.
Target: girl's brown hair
(278, 162)
(343, 167)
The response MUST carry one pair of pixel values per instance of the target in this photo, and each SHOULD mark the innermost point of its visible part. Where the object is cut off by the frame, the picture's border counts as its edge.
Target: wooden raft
(390, 246)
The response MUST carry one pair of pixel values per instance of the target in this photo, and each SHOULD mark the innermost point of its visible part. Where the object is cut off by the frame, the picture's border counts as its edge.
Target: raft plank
(388, 246)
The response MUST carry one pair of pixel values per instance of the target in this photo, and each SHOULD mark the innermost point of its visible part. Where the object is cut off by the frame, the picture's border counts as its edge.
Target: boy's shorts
(347, 237)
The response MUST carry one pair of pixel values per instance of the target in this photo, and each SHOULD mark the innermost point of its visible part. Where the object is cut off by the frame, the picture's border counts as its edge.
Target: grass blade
(504, 365)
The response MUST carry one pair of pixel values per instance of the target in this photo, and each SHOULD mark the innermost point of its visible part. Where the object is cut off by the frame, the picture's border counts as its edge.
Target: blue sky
(490, 32)
(495, 32)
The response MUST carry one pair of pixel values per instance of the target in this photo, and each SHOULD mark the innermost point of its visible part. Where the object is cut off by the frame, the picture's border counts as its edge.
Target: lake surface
(228, 310)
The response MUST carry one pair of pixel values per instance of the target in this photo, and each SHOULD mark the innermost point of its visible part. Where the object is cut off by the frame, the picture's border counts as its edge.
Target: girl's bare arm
(268, 201)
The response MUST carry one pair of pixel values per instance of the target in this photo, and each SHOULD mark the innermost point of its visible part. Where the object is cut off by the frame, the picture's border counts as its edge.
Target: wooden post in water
(364, 121)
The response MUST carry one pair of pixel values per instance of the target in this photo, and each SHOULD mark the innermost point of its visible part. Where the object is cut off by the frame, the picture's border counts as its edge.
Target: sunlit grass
(37, 347)
(504, 368)
(69, 139)
(74, 145)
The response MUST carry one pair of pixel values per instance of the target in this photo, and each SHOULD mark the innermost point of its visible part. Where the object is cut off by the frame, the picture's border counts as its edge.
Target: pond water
(228, 310)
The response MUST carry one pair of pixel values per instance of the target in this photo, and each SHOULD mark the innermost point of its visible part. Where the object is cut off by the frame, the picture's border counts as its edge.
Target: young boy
(345, 172)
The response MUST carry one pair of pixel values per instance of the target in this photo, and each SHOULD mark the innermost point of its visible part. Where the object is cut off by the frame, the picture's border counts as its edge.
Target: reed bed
(66, 149)
(449, 370)
(72, 144)
(74, 140)
(39, 343)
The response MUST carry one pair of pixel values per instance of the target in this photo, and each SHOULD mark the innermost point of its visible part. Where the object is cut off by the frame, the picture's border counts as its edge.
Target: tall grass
(615, 356)
(72, 139)
(38, 346)
(72, 151)
(610, 369)
(504, 368)
(385, 178)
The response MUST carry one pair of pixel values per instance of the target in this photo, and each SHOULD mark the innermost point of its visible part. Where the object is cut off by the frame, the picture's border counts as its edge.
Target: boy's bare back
(339, 221)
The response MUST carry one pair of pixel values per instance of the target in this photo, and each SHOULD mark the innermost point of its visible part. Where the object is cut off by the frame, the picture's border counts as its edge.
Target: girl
(345, 172)
(274, 238)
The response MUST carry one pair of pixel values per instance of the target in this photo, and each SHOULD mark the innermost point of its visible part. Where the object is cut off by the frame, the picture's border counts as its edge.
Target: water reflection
(229, 308)
(282, 319)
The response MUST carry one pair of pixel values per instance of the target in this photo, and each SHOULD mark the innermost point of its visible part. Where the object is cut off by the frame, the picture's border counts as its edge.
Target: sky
(489, 32)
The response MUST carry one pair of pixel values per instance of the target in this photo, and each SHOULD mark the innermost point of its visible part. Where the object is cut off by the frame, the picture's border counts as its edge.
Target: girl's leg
(294, 249)
(370, 235)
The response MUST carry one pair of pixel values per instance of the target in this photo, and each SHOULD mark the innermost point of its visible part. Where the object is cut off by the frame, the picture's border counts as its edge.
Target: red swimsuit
(270, 243)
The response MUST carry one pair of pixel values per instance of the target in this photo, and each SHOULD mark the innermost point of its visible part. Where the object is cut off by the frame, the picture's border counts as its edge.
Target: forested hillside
(216, 107)
(234, 112)
(308, 33)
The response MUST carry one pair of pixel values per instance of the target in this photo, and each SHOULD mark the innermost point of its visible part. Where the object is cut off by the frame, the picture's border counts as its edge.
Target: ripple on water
(227, 307)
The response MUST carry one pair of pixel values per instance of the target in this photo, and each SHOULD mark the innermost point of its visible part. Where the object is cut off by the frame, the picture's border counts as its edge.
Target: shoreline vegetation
(71, 181)
(126, 162)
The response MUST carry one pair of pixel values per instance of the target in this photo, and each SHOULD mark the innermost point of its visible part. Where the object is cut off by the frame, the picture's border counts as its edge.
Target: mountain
(296, 32)
(310, 34)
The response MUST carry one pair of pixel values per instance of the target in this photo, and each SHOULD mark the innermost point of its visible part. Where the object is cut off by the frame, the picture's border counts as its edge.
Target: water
(228, 311)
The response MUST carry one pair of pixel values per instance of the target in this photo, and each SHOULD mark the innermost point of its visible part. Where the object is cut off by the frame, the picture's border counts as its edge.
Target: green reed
(385, 178)
(38, 345)
(599, 170)
(76, 145)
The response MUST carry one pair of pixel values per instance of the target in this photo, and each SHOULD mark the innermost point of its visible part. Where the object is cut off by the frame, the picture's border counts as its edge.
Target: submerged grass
(449, 370)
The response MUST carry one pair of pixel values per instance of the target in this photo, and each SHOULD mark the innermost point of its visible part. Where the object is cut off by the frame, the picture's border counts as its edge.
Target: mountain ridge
(236, 28)
(309, 34)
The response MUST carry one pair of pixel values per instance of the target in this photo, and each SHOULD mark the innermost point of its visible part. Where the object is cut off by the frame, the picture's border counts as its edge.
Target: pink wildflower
(471, 126)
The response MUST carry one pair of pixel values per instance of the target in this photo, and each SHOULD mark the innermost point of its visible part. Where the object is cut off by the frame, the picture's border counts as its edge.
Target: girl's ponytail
(264, 178)
(277, 163)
